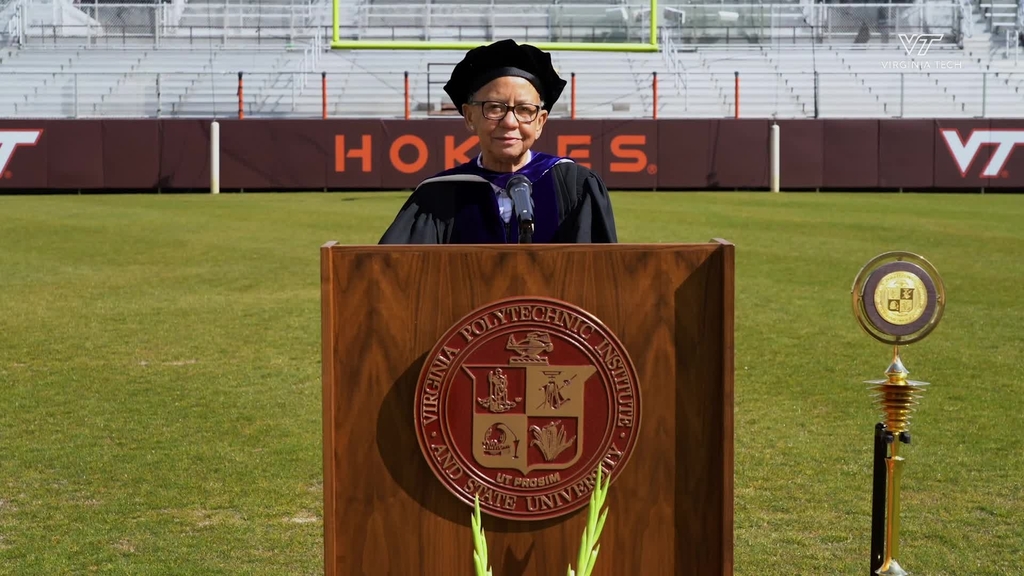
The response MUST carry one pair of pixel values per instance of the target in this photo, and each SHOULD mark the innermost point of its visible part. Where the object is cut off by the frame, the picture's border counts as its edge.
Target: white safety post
(214, 158)
(775, 157)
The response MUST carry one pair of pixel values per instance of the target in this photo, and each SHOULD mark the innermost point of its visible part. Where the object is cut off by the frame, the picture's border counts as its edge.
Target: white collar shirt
(504, 202)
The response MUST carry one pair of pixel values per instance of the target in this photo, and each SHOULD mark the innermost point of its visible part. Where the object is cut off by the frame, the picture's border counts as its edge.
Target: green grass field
(160, 378)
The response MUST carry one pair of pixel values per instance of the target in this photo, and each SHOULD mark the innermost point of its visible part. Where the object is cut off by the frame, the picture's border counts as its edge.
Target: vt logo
(9, 142)
(921, 42)
(965, 152)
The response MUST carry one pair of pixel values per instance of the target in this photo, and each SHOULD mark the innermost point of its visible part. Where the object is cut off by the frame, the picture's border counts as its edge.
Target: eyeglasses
(498, 111)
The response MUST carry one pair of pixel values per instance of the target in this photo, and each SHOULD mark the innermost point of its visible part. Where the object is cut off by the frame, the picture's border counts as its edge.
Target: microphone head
(520, 190)
(519, 180)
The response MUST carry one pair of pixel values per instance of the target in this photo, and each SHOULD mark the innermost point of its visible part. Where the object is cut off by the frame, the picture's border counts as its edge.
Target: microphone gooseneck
(520, 190)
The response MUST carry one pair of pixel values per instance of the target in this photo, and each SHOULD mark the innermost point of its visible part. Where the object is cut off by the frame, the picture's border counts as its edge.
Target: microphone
(520, 190)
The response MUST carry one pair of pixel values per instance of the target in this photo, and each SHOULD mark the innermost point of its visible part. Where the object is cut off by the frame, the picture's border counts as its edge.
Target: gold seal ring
(898, 297)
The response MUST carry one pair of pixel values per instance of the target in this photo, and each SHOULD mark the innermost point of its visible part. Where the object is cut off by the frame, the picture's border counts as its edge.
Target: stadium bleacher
(178, 58)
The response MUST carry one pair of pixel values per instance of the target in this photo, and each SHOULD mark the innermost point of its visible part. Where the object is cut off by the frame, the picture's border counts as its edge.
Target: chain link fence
(9, 22)
(138, 19)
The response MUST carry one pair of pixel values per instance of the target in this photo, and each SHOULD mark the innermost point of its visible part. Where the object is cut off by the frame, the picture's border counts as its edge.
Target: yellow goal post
(338, 44)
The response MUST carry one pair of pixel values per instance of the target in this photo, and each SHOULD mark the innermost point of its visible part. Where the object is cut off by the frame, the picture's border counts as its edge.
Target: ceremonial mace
(898, 298)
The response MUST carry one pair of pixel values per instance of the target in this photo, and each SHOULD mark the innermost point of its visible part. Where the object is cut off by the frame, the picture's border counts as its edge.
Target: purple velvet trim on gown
(478, 220)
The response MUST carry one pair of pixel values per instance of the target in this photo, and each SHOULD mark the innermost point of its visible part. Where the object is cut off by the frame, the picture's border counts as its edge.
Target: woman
(504, 91)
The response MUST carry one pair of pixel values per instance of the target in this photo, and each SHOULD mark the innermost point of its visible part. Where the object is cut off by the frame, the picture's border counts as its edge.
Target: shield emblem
(528, 417)
(900, 300)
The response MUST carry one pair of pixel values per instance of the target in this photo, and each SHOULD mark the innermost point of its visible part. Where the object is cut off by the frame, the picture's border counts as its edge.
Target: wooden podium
(383, 310)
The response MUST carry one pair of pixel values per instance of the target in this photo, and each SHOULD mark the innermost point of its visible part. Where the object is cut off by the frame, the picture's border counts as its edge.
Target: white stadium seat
(178, 58)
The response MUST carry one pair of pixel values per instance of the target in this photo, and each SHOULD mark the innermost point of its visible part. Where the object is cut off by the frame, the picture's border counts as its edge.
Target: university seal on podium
(520, 401)
(898, 297)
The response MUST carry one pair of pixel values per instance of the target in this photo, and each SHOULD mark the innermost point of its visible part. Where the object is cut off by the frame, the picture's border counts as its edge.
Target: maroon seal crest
(520, 401)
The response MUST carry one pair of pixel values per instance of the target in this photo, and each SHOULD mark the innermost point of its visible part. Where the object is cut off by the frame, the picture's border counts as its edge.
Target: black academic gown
(459, 206)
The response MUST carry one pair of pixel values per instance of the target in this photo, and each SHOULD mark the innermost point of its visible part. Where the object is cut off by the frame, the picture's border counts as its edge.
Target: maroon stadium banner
(640, 154)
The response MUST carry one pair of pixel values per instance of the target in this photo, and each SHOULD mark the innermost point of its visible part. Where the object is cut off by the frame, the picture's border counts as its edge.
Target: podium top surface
(714, 242)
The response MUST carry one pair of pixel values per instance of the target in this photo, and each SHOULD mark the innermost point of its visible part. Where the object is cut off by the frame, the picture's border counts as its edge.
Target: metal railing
(681, 94)
(697, 23)
(1003, 14)
(92, 23)
(135, 35)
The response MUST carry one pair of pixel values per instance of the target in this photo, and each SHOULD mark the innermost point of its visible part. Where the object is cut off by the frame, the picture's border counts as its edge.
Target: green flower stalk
(595, 524)
(589, 547)
(479, 541)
